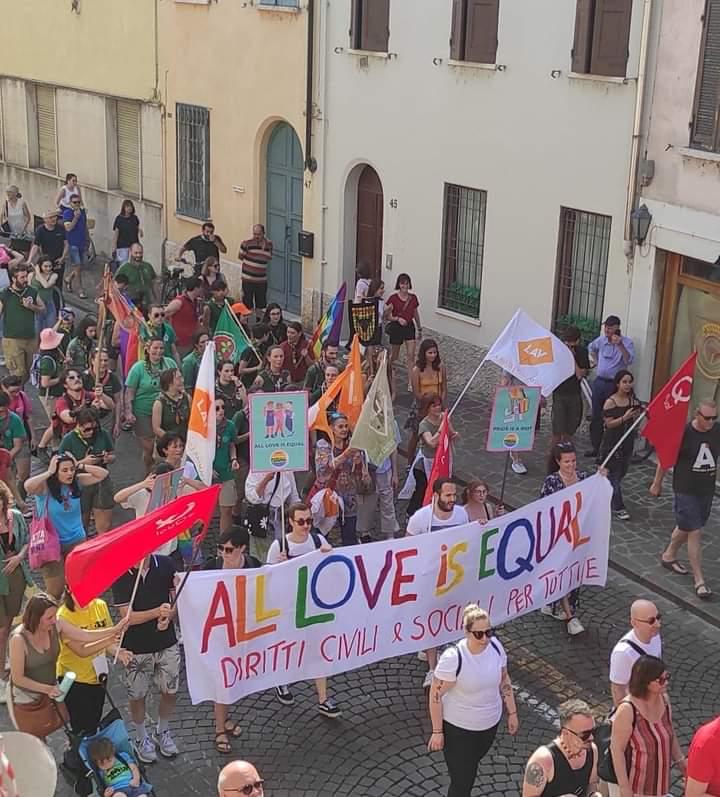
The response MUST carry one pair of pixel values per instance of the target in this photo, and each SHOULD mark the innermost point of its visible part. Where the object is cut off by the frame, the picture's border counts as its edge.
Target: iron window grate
(193, 161)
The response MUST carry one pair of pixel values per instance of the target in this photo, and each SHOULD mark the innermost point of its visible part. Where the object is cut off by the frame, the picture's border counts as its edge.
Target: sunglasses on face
(88, 429)
(490, 632)
(73, 378)
(303, 521)
(226, 549)
(707, 417)
(158, 315)
(664, 678)
(249, 789)
(584, 736)
(651, 620)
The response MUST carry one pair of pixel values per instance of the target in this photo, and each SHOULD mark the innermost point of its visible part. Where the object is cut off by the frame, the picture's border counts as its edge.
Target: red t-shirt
(66, 402)
(704, 756)
(403, 308)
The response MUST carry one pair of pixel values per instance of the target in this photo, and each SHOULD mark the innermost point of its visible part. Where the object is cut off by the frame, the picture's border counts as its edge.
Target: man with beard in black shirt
(50, 240)
(205, 245)
(694, 479)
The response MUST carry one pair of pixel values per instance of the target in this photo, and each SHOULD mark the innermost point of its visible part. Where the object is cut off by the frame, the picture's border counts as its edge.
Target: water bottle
(67, 681)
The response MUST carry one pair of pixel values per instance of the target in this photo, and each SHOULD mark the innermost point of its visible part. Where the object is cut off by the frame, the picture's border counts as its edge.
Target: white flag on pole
(532, 354)
(200, 446)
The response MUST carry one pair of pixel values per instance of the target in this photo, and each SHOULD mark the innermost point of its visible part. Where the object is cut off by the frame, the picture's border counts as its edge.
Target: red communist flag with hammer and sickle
(668, 414)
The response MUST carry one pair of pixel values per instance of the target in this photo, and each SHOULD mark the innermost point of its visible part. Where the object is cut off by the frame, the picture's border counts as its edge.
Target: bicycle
(173, 281)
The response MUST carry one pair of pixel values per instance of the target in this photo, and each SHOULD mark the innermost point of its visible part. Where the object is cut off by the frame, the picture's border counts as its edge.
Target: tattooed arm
(508, 697)
(538, 773)
(437, 690)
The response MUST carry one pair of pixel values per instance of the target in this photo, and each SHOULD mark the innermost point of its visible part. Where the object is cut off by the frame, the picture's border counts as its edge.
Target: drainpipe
(310, 162)
(323, 93)
(637, 122)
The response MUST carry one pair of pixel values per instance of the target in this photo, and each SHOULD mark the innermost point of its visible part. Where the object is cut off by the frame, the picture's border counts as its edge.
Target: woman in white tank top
(15, 212)
(68, 190)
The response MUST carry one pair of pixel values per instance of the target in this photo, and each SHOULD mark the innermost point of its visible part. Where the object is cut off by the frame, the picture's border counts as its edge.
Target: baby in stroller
(117, 771)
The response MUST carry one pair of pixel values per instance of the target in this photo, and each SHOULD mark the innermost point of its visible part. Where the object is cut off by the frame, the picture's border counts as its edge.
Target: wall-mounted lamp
(640, 221)
(555, 74)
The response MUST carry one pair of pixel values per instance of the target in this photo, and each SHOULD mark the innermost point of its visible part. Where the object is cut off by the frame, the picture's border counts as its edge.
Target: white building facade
(484, 147)
(675, 296)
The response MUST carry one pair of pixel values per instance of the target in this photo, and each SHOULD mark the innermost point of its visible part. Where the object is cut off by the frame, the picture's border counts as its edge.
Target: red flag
(441, 460)
(668, 413)
(95, 565)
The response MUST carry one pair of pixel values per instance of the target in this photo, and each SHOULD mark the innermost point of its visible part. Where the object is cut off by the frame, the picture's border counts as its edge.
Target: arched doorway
(284, 216)
(369, 235)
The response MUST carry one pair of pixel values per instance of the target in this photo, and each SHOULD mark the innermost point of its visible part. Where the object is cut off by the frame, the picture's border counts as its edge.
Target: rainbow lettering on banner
(245, 631)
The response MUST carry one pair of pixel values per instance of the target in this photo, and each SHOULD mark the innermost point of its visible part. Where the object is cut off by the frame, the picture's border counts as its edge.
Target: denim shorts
(691, 511)
(77, 256)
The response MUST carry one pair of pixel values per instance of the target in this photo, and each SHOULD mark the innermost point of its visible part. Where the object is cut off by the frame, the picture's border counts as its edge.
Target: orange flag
(201, 442)
(352, 394)
(317, 414)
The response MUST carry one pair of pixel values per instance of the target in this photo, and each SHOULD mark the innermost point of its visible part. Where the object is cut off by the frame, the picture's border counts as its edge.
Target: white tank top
(15, 216)
(67, 194)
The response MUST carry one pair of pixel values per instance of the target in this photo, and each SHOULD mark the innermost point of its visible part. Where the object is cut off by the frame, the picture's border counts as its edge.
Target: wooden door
(370, 221)
(284, 217)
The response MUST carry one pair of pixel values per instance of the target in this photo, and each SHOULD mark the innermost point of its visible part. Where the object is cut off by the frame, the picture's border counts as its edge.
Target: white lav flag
(200, 446)
(532, 354)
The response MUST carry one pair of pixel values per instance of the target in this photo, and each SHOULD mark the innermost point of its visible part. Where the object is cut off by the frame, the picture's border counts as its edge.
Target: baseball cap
(611, 321)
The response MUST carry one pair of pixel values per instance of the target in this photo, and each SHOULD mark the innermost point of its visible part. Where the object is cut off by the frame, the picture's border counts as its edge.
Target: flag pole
(102, 316)
(129, 611)
(237, 321)
(620, 441)
(505, 473)
(283, 539)
(465, 389)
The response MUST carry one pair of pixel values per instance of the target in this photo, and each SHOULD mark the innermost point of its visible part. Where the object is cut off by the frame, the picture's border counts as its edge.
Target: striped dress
(648, 756)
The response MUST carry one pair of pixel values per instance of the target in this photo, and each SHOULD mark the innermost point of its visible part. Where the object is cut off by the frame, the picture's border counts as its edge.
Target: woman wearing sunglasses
(469, 686)
(232, 554)
(643, 743)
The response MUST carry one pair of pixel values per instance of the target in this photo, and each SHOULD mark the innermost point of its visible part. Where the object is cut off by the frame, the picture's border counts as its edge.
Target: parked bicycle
(173, 281)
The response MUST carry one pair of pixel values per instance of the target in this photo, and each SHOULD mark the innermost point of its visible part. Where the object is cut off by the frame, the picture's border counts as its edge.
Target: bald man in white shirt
(643, 638)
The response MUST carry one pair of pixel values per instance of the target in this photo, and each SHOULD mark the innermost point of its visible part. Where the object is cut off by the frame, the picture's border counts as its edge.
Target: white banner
(325, 613)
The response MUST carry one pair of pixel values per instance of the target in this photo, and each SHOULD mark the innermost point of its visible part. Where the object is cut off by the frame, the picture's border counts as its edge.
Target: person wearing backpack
(643, 742)
(46, 370)
(643, 638)
(469, 686)
(301, 540)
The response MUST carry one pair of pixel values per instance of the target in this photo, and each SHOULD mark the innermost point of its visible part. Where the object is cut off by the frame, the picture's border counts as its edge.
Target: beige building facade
(234, 83)
(675, 296)
(80, 94)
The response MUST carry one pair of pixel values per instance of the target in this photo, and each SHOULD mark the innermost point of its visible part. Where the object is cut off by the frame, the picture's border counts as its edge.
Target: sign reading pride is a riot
(325, 613)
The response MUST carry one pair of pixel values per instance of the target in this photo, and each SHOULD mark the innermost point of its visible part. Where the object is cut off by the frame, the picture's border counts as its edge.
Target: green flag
(375, 430)
(230, 338)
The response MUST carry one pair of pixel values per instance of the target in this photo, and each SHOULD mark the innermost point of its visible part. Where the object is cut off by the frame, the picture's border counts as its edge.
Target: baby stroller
(77, 767)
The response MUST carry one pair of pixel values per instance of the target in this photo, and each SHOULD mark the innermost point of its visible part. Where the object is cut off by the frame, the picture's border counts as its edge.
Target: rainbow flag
(131, 323)
(331, 323)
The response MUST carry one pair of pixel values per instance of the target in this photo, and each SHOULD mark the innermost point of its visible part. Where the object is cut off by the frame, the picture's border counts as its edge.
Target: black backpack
(459, 654)
(317, 541)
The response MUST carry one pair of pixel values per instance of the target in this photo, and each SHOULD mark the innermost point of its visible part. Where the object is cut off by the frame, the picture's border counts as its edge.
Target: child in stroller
(118, 772)
(105, 761)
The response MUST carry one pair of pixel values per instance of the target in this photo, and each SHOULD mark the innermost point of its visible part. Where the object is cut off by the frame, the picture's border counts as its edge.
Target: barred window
(193, 160)
(583, 247)
(462, 252)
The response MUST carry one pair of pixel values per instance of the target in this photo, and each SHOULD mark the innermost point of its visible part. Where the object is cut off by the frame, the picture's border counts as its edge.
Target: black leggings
(85, 704)
(463, 751)
(416, 500)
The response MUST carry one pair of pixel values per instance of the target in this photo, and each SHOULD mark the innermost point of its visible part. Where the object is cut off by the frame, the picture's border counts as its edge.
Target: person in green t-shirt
(142, 387)
(92, 445)
(12, 440)
(215, 305)
(110, 419)
(157, 327)
(80, 347)
(19, 303)
(141, 277)
(50, 369)
(191, 362)
(225, 463)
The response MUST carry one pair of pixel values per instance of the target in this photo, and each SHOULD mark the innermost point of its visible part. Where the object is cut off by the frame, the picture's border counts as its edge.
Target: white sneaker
(422, 655)
(558, 614)
(168, 748)
(145, 750)
(427, 683)
(519, 468)
(574, 626)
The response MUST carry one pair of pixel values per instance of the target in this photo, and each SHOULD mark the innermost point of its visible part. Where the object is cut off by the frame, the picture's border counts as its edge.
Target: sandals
(233, 729)
(703, 592)
(222, 746)
(674, 567)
